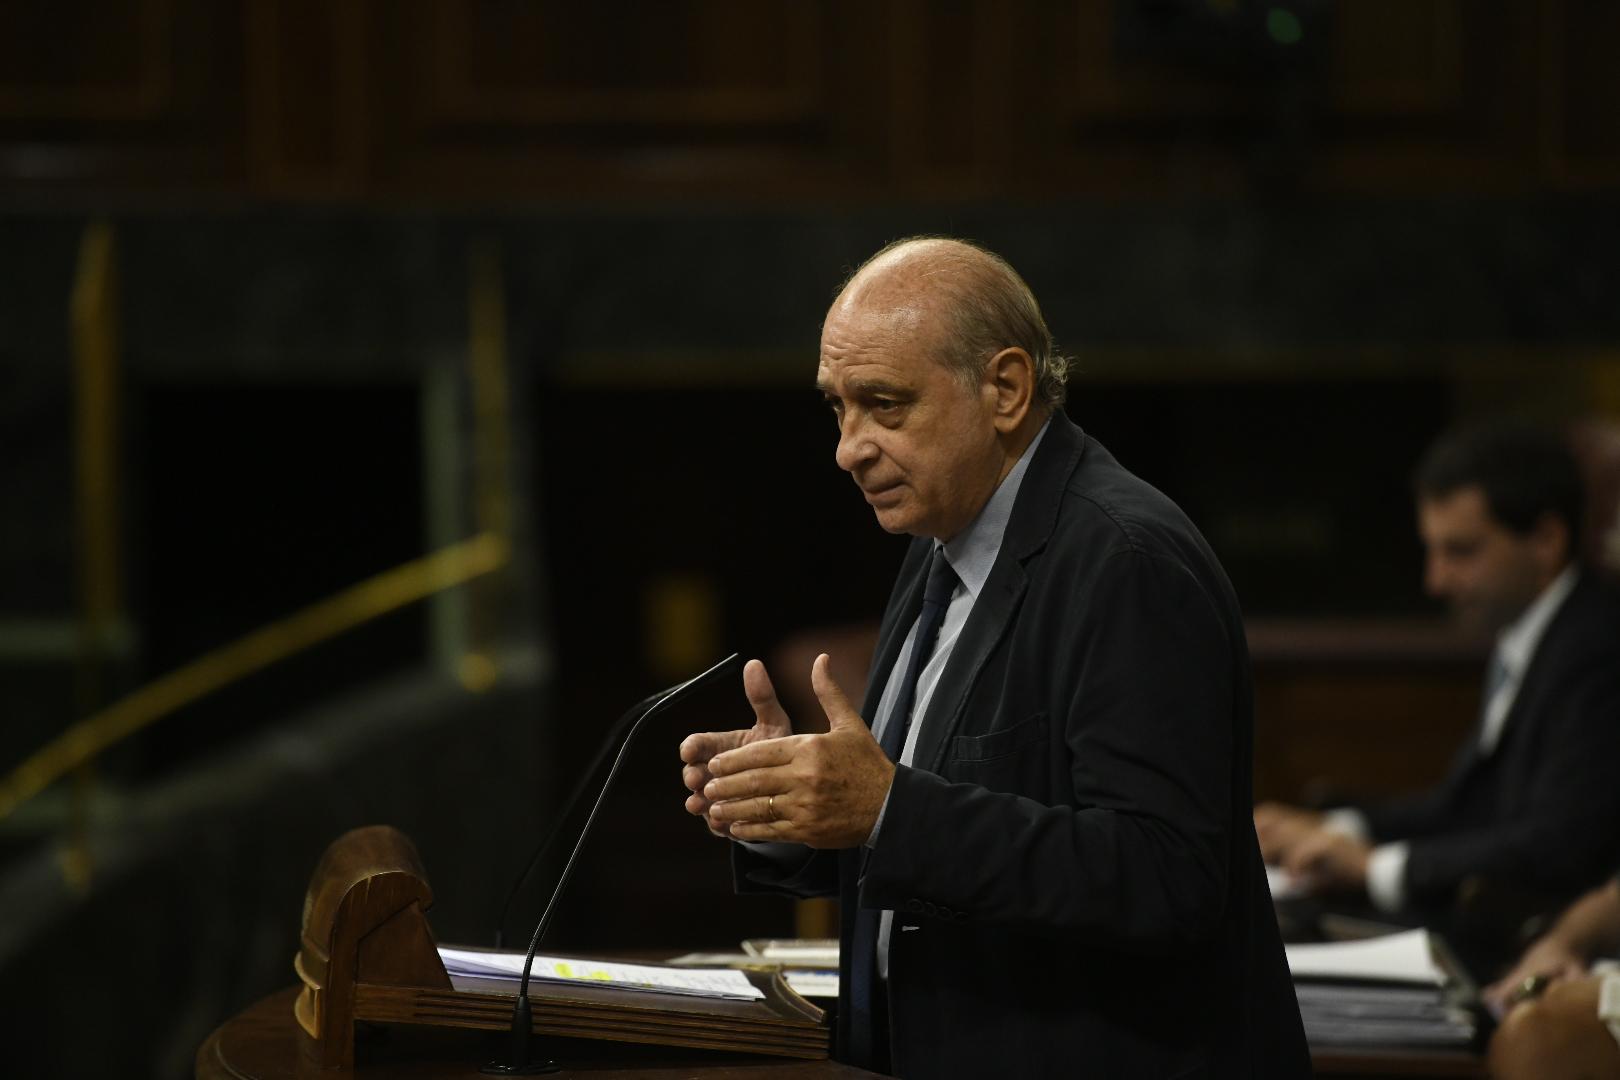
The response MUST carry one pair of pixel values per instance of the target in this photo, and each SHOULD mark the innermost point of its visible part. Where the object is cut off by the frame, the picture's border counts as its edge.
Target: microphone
(638, 714)
(615, 735)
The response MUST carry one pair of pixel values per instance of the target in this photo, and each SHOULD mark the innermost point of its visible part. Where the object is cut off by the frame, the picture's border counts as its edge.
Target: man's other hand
(697, 751)
(1549, 958)
(821, 790)
(1281, 828)
(1329, 861)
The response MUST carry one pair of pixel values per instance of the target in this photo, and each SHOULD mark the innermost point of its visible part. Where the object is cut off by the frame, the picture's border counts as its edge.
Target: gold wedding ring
(1529, 988)
(770, 804)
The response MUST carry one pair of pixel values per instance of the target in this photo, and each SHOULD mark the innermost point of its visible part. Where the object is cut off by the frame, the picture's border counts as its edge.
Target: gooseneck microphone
(614, 738)
(521, 1063)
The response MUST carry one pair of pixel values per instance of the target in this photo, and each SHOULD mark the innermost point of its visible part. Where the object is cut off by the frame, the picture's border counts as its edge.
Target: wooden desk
(1402, 1064)
(260, 1043)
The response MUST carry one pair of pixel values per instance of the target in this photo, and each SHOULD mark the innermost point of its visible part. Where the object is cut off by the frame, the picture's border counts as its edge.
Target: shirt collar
(972, 552)
(1516, 644)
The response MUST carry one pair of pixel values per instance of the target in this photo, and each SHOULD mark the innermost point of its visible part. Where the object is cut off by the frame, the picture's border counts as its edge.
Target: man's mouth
(881, 492)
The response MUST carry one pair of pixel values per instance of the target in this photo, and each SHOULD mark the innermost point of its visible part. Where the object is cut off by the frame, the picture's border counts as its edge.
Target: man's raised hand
(770, 722)
(821, 790)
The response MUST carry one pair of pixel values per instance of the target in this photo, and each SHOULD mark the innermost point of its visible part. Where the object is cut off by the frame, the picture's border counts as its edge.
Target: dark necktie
(942, 582)
(1496, 675)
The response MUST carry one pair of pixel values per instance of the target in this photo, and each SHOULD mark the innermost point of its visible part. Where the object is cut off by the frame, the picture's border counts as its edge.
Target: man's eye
(885, 404)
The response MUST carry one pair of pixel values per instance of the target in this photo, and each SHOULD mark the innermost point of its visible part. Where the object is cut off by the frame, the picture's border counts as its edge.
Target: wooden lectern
(367, 954)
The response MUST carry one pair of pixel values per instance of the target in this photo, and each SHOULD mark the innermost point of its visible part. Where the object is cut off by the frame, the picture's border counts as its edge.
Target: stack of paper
(709, 1008)
(698, 982)
(1383, 991)
(808, 965)
(819, 953)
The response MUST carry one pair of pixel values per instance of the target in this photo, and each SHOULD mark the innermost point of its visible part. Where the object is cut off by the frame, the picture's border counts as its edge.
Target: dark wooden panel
(867, 99)
(1583, 122)
(516, 97)
(1358, 706)
(307, 67)
(1381, 94)
(111, 94)
(85, 60)
(1432, 95)
(1368, 731)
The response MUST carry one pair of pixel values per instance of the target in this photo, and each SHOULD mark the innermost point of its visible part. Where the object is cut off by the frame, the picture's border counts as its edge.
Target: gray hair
(990, 309)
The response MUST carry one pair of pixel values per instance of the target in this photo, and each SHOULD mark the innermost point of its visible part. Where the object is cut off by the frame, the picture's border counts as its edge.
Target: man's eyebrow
(876, 387)
(864, 387)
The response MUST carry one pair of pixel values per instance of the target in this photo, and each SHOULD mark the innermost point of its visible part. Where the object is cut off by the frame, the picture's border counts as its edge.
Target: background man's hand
(697, 751)
(1327, 861)
(821, 790)
(1281, 828)
(1549, 957)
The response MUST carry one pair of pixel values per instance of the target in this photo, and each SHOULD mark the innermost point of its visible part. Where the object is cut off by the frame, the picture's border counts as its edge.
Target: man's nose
(854, 448)
(1436, 579)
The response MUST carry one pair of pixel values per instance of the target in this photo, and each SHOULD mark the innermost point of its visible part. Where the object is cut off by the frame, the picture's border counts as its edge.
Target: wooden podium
(368, 957)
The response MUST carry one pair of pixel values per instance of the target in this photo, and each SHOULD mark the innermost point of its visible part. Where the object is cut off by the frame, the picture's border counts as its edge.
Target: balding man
(1041, 844)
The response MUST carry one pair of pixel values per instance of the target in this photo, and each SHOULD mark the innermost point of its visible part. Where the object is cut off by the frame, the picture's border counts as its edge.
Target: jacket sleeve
(1422, 813)
(1138, 856)
(784, 868)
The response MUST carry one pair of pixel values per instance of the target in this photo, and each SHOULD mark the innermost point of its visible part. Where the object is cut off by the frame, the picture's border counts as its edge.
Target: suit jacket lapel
(992, 614)
(1034, 516)
(1472, 757)
(1535, 673)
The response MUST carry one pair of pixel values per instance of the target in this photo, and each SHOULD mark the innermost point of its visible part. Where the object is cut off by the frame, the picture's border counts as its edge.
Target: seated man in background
(1573, 1030)
(1530, 803)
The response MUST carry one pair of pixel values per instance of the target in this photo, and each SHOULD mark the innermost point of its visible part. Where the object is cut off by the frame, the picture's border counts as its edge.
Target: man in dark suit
(1042, 846)
(1530, 804)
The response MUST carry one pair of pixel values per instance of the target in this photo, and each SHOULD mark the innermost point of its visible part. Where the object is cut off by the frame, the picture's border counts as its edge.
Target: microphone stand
(522, 1063)
(536, 857)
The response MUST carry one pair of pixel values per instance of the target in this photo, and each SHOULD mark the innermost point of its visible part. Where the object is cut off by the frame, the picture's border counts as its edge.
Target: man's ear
(1009, 386)
(1551, 540)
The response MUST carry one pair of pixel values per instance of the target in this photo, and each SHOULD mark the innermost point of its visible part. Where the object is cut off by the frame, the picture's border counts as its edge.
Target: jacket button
(931, 909)
(914, 905)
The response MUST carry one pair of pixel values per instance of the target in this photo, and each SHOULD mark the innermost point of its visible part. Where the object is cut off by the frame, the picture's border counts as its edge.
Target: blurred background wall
(293, 292)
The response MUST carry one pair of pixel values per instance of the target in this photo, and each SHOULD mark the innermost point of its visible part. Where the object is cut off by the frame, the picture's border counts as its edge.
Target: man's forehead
(882, 359)
(903, 334)
(1460, 508)
(888, 316)
(856, 376)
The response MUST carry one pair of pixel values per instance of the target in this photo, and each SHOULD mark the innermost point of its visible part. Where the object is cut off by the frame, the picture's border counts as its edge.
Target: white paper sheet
(1399, 958)
(795, 952)
(699, 982)
(812, 984)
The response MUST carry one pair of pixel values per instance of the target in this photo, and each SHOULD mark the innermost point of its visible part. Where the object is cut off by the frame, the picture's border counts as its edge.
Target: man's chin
(894, 521)
(1480, 620)
(900, 519)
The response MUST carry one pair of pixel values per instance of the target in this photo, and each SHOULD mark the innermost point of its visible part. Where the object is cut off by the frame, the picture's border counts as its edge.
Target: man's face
(1485, 571)
(920, 444)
